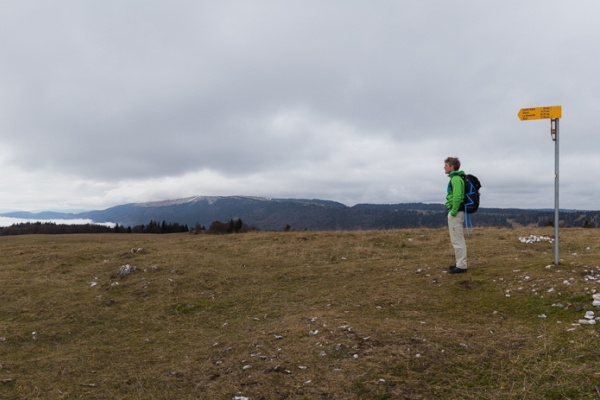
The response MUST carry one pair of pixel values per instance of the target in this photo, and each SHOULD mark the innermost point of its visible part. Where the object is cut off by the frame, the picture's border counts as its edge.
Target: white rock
(589, 314)
(596, 303)
(596, 296)
(126, 270)
(542, 316)
(313, 333)
(535, 239)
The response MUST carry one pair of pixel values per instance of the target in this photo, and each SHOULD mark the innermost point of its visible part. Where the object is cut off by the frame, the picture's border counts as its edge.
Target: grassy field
(299, 315)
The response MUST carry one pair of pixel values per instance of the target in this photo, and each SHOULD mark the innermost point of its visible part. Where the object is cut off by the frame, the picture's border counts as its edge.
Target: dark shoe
(452, 266)
(454, 270)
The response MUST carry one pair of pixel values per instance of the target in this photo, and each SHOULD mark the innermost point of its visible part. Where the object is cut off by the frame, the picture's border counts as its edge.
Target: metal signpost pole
(556, 216)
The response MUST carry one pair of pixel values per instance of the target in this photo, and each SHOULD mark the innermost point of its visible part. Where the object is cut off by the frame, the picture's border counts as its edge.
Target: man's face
(448, 168)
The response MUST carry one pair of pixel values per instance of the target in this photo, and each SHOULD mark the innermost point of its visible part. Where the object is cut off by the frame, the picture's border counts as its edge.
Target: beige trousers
(457, 238)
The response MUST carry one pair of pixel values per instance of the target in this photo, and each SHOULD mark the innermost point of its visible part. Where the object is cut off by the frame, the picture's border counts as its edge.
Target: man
(456, 217)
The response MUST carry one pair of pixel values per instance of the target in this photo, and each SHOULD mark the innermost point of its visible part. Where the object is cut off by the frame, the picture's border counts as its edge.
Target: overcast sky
(110, 102)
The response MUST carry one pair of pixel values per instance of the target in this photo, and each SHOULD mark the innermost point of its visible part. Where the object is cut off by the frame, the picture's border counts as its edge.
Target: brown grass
(227, 316)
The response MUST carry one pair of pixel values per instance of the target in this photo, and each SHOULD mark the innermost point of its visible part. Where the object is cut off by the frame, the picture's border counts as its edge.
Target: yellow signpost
(554, 113)
(540, 113)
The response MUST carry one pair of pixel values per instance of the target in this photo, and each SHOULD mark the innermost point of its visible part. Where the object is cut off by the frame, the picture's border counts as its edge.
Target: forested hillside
(300, 214)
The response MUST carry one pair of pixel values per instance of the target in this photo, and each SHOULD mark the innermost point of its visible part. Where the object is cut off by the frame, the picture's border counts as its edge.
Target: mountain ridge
(313, 214)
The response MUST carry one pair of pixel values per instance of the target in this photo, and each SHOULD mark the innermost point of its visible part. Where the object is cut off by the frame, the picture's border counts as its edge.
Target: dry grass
(227, 316)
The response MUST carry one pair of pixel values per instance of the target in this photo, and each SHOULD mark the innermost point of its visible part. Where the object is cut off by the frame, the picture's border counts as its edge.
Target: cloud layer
(111, 102)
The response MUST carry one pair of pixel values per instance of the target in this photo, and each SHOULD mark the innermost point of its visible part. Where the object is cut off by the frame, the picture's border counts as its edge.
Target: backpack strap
(462, 204)
(468, 221)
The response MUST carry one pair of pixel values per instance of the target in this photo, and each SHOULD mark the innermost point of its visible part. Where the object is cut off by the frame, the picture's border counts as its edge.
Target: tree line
(51, 228)
(233, 226)
(153, 227)
(358, 219)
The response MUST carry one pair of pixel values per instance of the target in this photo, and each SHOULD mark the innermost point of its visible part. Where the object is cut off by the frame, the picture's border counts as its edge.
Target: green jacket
(456, 192)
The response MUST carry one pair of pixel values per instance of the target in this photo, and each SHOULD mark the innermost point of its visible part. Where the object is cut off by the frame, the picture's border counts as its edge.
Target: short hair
(454, 162)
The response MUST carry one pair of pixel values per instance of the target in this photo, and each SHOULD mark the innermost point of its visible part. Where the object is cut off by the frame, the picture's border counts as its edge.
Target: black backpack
(471, 202)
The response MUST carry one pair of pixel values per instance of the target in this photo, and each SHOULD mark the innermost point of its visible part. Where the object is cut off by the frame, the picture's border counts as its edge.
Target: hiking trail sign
(540, 113)
(554, 113)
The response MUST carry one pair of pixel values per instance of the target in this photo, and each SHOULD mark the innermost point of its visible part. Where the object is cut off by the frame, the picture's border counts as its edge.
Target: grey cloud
(117, 91)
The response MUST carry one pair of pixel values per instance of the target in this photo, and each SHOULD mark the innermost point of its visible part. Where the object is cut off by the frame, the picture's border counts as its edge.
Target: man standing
(456, 217)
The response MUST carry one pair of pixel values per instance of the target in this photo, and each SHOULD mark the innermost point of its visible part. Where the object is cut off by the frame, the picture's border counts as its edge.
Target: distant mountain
(275, 214)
